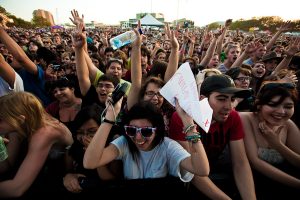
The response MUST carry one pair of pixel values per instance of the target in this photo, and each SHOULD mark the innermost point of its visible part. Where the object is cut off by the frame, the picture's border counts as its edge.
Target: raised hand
(290, 77)
(294, 47)
(186, 119)
(271, 135)
(139, 38)
(76, 18)
(228, 23)
(285, 26)
(172, 36)
(78, 38)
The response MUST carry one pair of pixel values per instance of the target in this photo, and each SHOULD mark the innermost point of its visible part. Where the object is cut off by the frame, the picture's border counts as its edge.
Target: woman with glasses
(272, 140)
(144, 150)
(87, 122)
(149, 90)
(242, 77)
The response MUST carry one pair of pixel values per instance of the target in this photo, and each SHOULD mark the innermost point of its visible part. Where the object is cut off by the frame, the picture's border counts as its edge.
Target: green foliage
(270, 23)
(213, 26)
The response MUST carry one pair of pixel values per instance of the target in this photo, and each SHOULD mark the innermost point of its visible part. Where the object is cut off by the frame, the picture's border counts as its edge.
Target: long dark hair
(148, 111)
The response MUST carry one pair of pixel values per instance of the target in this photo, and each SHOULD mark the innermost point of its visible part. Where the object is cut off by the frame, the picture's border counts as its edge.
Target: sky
(114, 11)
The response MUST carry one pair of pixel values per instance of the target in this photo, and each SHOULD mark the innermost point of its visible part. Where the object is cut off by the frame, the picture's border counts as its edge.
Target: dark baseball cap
(224, 84)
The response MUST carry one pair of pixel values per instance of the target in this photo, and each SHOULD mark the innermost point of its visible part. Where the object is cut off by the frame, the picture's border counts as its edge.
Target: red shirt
(218, 136)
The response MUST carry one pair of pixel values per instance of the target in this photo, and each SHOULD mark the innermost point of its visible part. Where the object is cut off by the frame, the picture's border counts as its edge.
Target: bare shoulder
(51, 133)
(246, 115)
(291, 126)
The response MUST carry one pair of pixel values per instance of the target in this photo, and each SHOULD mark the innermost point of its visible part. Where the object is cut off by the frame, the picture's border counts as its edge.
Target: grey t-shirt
(164, 159)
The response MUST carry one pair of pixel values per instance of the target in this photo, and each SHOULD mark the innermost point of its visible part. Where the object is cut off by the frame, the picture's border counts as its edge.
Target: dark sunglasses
(270, 86)
(131, 131)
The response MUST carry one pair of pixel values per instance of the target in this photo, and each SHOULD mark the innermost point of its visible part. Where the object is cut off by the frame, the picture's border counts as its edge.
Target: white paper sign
(183, 86)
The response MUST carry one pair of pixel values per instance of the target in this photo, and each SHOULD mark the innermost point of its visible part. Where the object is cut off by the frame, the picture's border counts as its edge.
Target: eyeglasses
(105, 85)
(151, 94)
(131, 131)
(245, 78)
(87, 133)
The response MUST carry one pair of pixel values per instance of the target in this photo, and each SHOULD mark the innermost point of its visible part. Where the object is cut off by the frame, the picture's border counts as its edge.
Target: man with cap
(226, 130)
(271, 60)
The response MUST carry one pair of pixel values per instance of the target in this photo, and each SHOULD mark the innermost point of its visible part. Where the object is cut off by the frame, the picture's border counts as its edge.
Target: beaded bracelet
(193, 138)
(188, 128)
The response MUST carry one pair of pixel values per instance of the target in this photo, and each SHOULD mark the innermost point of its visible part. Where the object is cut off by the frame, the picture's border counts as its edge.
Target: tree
(213, 26)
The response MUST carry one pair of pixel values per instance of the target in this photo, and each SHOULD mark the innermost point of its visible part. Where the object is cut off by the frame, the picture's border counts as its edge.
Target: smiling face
(64, 94)
(142, 143)
(152, 95)
(275, 114)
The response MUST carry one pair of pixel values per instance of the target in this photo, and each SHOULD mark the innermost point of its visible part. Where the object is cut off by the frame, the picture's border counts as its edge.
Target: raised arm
(284, 27)
(77, 20)
(97, 154)
(197, 163)
(79, 40)
(7, 72)
(174, 57)
(210, 52)
(136, 71)
(250, 48)
(222, 36)
(293, 48)
(17, 52)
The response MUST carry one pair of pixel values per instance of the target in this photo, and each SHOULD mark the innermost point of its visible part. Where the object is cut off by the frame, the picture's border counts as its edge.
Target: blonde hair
(24, 112)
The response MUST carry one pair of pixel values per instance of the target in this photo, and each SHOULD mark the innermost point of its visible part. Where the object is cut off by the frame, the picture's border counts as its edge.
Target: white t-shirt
(5, 88)
(164, 159)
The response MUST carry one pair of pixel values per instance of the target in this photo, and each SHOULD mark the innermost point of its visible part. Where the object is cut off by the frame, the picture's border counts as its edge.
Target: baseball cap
(224, 84)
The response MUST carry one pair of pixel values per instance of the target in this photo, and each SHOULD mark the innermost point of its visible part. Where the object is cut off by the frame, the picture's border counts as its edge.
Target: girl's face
(64, 94)
(276, 115)
(152, 94)
(86, 132)
(5, 127)
(137, 135)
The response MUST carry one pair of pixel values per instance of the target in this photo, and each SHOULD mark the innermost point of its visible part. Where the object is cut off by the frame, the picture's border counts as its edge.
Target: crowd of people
(66, 138)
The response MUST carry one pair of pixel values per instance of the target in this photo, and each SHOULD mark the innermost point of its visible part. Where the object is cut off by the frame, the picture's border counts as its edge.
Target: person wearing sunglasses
(144, 150)
(272, 141)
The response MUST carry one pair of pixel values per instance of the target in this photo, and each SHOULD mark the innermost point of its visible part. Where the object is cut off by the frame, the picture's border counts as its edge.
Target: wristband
(109, 121)
(188, 128)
